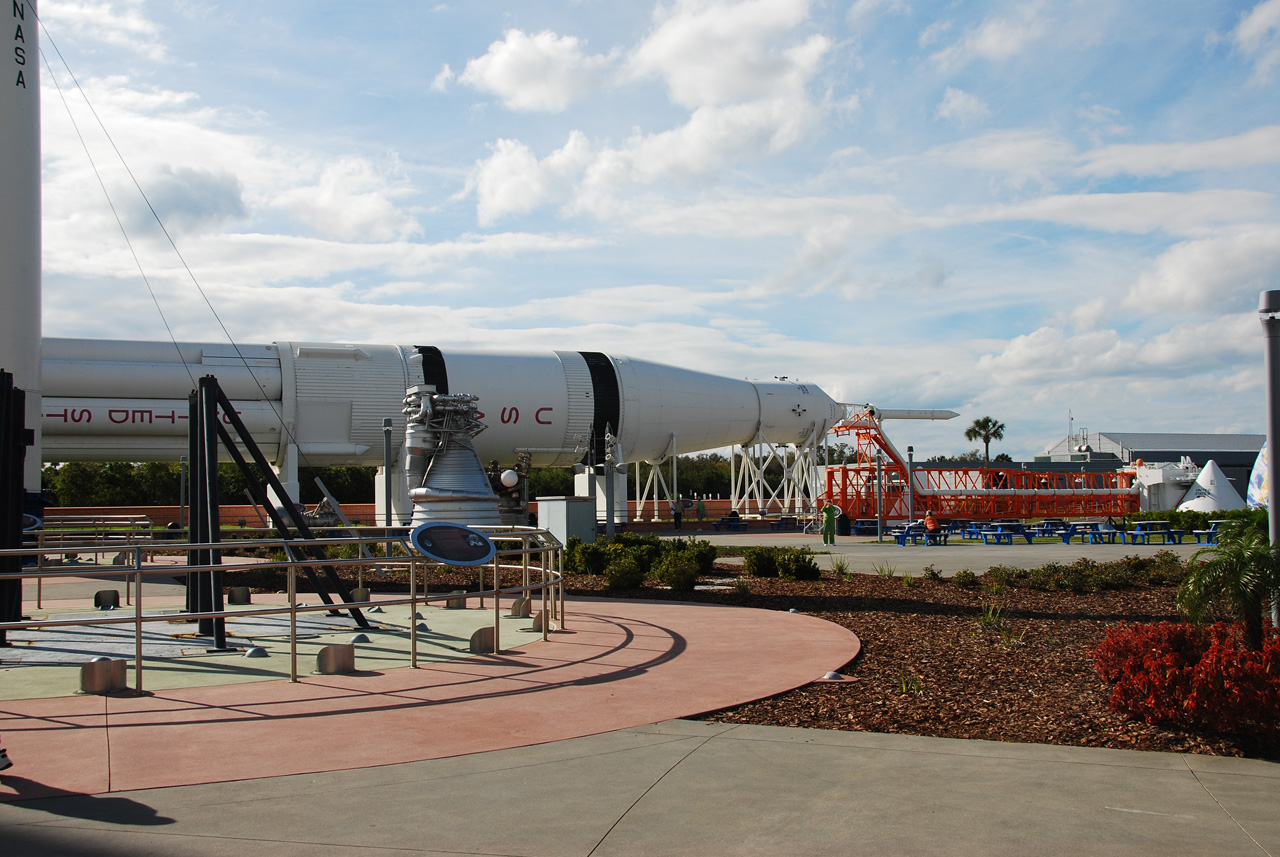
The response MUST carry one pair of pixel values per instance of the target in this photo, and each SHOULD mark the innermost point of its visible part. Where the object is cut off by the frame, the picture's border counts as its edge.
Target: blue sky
(1015, 209)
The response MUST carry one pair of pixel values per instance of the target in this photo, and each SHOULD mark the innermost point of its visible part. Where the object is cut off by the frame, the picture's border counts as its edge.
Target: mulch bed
(929, 666)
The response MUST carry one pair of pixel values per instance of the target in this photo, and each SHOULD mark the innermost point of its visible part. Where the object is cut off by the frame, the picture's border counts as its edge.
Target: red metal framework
(967, 492)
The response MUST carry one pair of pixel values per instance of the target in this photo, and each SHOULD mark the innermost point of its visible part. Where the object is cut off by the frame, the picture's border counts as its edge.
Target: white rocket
(323, 404)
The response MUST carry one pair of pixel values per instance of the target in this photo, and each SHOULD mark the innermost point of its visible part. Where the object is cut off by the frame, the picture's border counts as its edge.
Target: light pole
(1268, 309)
(911, 485)
(879, 496)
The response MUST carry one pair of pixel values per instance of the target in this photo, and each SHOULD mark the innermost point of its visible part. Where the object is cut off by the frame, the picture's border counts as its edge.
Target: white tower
(20, 213)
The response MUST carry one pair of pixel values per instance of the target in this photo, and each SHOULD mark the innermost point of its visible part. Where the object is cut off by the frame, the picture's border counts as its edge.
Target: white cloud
(1258, 36)
(1259, 146)
(1024, 154)
(440, 83)
(934, 33)
(714, 53)
(996, 39)
(863, 10)
(1211, 274)
(542, 72)
(120, 23)
(1049, 354)
(351, 201)
(1100, 121)
(961, 106)
(1137, 213)
(513, 181)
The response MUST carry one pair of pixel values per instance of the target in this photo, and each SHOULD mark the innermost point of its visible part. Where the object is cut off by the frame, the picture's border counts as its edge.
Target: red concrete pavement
(619, 664)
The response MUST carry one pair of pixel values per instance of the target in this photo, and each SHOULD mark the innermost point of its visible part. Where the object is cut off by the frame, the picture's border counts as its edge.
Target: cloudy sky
(1015, 209)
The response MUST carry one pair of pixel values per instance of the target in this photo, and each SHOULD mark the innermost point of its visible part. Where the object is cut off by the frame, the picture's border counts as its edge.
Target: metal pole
(1268, 308)
(497, 605)
(182, 492)
(413, 615)
(293, 622)
(879, 496)
(911, 484)
(137, 620)
(386, 481)
(609, 454)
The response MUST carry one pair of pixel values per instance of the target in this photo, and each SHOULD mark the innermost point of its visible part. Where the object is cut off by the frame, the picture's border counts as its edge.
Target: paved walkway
(574, 747)
(865, 554)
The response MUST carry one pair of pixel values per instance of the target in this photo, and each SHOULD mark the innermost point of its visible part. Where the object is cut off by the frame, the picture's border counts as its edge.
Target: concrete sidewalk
(690, 788)
(865, 554)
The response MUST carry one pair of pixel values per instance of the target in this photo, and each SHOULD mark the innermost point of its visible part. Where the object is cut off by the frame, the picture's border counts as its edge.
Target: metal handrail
(532, 541)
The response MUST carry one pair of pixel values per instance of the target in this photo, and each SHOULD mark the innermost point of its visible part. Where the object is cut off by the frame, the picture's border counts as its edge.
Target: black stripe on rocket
(607, 399)
(433, 368)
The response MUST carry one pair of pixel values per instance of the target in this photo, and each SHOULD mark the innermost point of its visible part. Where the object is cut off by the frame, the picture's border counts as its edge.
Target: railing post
(293, 622)
(413, 612)
(137, 619)
(497, 608)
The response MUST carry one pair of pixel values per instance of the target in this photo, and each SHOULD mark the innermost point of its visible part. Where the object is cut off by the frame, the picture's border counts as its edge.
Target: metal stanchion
(413, 612)
(137, 619)
(293, 623)
(497, 608)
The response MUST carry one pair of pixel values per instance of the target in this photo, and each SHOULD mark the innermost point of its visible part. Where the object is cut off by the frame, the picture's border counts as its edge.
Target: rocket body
(111, 400)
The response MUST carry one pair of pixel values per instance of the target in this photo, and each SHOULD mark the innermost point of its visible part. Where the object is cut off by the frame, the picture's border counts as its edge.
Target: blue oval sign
(452, 544)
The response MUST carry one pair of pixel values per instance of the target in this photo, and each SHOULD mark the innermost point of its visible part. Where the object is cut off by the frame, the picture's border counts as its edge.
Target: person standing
(829, 514)
(702, 511)
(677, 513)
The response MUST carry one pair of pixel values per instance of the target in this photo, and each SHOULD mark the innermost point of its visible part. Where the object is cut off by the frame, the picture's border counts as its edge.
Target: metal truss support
(793, 494)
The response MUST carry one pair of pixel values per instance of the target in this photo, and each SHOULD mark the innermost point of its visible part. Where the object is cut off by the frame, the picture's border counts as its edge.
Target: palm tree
(985, 429)
(1241, 573)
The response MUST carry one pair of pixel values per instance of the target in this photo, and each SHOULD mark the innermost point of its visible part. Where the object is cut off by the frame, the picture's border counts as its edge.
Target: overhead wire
(284, 427)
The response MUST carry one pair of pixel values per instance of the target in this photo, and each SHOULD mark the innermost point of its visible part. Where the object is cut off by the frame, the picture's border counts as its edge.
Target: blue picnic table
(1144, 531)
(1209, 536)
(1004, 532)
(915, 533)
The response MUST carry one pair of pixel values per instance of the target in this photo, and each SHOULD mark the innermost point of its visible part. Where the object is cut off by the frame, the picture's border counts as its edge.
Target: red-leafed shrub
(1192, 677)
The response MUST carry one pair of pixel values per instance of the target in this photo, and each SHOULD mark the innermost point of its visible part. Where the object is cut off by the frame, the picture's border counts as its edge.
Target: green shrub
(931, 573)
(704, 553)
(760, 561)
(965, 579)
(624, 571)
(645, 550)
(678, 569)
(798, 564)
(571, 546)
(591, 559)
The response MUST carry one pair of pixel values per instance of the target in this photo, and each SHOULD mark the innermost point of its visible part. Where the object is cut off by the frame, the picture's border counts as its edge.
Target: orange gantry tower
(975, 493)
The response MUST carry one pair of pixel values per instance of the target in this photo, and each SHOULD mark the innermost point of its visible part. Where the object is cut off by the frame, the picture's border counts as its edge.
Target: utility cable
(284, 427)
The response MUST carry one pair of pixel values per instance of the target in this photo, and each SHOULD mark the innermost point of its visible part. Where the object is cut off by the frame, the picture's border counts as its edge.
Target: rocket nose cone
(792, 412)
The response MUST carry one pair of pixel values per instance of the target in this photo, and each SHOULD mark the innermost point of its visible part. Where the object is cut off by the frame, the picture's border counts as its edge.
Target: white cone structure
(1211, 492)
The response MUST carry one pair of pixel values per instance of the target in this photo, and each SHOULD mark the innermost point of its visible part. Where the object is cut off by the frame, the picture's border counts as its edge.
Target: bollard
(336, 659)
(239, 595)
(482, 641)
(103, 675)
(106, 599)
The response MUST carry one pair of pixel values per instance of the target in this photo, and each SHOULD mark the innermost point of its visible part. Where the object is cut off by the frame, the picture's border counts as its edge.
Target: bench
(730, 523)
(787, 522)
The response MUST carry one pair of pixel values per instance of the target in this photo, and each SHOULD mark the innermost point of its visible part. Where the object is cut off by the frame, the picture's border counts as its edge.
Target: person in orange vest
(931, 523)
